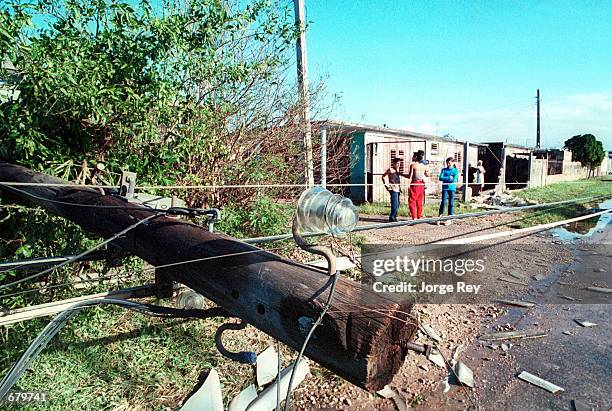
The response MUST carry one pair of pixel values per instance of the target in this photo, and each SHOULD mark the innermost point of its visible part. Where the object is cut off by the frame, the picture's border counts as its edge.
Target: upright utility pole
(302, 74)
(538, 122)
(323, 157)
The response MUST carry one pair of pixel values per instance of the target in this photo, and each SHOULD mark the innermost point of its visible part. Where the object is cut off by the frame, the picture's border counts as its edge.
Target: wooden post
(323, 157)
(302, 74)
(466, 195)
(278, 296)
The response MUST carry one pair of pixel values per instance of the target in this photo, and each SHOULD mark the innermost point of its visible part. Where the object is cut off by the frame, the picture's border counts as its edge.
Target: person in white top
(479, 178)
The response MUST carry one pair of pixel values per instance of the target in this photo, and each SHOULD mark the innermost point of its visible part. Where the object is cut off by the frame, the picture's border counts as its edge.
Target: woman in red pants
(416, 175)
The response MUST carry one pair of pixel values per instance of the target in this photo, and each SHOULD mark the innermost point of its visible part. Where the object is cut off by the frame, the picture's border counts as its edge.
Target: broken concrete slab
(535, 380)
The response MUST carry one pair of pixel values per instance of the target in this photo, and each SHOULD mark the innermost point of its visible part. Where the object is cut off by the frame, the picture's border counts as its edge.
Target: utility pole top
(538, 120)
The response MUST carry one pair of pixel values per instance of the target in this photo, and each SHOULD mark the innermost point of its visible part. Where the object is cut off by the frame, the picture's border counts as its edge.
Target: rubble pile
(493, 199)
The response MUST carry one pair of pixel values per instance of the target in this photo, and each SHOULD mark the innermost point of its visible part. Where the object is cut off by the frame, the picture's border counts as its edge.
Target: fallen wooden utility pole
(362, 337)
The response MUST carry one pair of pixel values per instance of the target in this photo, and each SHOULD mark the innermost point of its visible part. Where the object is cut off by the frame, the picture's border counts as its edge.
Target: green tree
(587, 150)
(182, 92)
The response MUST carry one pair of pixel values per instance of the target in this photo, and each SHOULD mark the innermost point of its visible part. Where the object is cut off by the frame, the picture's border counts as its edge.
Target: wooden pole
(302, 74)
(466, 194)
(276, 295)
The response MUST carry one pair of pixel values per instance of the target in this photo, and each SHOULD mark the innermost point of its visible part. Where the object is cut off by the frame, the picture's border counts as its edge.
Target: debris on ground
(503, 335)
(243, 399)
(585, 323)
(600, 289)
(436, 358)
(548, 386)
(517, 303)
(508, 335)
(512, 280)
(388, 392)
(486, 199)
(267, 366)
(578, 405)
(458, 351)
(464, 374)
(518, 275)
(208, 396)
(431, 332)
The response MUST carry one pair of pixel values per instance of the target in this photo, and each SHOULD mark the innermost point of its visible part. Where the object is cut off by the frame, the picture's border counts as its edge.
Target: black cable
(61, 319)
(328, 304)
(243, 357)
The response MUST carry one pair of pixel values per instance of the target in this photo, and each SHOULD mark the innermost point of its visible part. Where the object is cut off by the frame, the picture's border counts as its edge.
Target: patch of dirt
(419, 380)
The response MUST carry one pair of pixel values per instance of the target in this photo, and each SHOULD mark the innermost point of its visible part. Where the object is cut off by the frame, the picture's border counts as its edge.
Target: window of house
(457, 157)
(398, 154)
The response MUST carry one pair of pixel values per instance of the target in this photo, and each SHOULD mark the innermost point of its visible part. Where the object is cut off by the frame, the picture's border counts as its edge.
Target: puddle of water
(584, 228)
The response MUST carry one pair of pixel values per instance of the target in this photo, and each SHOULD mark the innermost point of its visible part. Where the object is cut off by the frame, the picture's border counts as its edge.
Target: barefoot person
(416, 175)
(393, 187)
(448, 176)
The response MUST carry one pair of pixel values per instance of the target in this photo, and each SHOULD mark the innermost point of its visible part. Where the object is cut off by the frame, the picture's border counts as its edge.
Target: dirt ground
(420, 382)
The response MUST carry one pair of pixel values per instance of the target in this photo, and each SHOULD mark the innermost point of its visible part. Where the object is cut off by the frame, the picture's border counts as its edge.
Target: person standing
(448, 176)
(393, 187)
(479, 178)
(416, 175)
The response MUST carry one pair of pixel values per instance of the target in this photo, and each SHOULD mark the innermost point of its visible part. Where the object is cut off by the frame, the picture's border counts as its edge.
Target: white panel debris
(266, 400)
(548, 386)
(267, 366)
(243, 399)
(208, 397)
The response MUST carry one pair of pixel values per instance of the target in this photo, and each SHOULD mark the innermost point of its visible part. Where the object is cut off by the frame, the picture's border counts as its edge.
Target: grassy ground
(429, 210)
(560, 192)
(111, 358)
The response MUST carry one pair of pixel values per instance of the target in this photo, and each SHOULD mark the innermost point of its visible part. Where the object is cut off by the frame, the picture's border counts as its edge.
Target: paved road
(579, 359)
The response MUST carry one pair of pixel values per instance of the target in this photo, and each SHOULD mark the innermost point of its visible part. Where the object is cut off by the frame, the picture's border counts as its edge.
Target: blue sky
(468, 68)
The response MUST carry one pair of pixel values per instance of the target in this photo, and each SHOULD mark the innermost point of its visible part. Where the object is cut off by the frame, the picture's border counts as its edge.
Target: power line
(83, 254)
(267, 239)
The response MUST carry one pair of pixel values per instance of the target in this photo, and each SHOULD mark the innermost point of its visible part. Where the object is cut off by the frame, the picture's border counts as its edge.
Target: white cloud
(561, 118)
